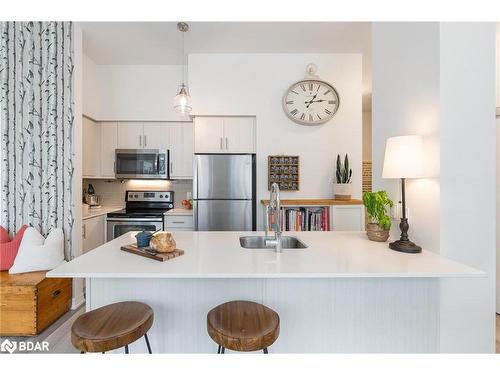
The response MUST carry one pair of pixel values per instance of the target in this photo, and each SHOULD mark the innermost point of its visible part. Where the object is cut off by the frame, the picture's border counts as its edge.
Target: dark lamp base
(405, 247)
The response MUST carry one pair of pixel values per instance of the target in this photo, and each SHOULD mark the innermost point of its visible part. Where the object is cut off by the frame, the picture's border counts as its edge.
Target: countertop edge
(264, 276)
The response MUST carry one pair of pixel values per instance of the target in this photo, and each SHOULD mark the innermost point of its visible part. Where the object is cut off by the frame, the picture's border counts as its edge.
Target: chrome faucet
(274, 206)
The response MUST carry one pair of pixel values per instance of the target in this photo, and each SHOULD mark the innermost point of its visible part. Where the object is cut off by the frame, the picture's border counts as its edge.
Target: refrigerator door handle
(195, 214)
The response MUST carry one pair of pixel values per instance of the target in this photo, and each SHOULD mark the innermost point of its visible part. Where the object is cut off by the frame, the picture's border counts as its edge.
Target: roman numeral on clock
(310, 87)
(303, 87)
(332, 102)
(311, 118)
(294, 112)
(328, 112)
(289, 102)
(326, 92)
(303, 116)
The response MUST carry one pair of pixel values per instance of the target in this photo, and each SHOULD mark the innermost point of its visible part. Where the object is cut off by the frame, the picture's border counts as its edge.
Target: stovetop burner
(139, 213)
(144, 204)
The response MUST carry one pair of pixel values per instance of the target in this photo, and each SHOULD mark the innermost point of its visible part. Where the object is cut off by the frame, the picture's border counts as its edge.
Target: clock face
(311, 102)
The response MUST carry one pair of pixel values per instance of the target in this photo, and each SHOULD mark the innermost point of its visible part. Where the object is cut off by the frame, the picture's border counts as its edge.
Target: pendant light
(182, 100)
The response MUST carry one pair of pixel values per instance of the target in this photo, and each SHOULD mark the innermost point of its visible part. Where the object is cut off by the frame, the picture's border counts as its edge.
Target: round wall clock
(311, 101)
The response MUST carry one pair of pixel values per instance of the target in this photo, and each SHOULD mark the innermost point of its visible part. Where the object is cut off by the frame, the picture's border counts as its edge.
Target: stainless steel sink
(259, 242)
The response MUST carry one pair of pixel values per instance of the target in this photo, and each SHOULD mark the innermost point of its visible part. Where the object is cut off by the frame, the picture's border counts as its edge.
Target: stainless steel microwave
(142, 163)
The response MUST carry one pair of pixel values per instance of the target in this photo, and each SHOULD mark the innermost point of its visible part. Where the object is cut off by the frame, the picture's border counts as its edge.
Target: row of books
(303, 219)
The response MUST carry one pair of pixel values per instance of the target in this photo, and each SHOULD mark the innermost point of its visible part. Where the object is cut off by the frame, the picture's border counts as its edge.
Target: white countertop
(88, 213)
(219, 255)
(179, 211)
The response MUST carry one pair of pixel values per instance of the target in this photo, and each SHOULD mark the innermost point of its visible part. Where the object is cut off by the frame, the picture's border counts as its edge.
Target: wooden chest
(30, 302)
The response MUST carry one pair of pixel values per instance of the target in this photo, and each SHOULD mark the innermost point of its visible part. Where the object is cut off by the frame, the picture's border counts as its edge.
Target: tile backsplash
(112, 192)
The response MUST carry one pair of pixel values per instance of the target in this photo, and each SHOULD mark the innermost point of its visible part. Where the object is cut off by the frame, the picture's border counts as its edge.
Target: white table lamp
(403, 159)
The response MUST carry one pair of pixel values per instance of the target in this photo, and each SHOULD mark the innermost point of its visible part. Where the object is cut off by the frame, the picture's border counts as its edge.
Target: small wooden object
(284, 170)
(161, 257)
(30, 302)
(111, 327)
(243, 326)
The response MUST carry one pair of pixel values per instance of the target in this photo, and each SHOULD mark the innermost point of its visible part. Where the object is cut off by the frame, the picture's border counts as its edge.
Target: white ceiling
(159, 43)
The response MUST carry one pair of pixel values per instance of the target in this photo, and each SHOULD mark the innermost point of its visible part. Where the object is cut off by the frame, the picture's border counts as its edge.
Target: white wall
(423, 77)
(93, 100)
(367, 135)
(253, 84)
(130, 92)
(405, 100)
(467, 98)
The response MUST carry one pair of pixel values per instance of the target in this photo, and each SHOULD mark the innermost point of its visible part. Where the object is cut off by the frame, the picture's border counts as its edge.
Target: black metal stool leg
(218, 349)
(265, 351)
(147, 343)
(126, 349)
(82, 352)
(223, 350)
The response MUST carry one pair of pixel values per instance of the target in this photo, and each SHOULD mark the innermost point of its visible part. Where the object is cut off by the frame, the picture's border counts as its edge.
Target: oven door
(118, 226)
(141, 163)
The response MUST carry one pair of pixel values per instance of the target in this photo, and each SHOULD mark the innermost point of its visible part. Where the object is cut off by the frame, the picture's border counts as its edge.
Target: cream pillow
(37, 253)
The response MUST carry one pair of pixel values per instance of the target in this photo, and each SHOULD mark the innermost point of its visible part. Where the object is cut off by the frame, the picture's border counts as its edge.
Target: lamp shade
(403, 157)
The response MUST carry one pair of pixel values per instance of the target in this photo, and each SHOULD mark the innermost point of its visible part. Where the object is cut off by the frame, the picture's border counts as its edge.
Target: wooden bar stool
(111, 327)
(243, 326)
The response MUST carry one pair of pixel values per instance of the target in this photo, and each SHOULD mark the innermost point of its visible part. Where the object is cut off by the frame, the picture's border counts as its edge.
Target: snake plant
(343, 172)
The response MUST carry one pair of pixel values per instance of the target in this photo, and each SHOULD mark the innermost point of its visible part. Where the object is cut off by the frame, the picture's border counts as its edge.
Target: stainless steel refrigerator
(224, 192)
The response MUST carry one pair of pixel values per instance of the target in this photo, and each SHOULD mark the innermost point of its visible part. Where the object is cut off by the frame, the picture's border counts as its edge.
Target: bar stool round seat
(112, 326)
(243, 326)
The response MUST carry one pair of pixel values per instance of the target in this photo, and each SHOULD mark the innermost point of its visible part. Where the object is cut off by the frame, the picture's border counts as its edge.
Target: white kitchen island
(341, 294)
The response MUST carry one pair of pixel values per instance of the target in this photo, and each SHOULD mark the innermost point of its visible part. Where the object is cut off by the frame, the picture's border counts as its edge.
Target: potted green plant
(343, 178)
(379, 222)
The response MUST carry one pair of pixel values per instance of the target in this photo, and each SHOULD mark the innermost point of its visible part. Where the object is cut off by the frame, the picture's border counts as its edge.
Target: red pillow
(8, 248)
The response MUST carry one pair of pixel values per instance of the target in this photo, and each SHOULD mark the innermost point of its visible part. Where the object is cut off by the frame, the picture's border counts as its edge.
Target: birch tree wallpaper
(36, 105)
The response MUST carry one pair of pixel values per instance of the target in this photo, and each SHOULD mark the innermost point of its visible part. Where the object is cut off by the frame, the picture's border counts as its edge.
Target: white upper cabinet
(156, 135)
(225, 135)
(208, 135)
(130, 135)
(143, 135)
(91, 147)
(239, 134)
(181, 150)
(109, 142)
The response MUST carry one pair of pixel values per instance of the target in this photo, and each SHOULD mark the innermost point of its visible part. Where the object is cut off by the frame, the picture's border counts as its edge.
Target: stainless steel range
(144, 210)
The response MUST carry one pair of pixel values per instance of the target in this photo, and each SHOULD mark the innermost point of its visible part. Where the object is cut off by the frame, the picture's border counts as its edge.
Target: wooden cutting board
(161, 257)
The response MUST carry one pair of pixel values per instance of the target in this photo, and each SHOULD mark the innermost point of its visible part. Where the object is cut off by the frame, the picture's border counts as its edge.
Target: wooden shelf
(316, 202)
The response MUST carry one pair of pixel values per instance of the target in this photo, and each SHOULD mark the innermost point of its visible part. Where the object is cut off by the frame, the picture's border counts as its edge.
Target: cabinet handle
(55, 293)
(221, 143)
(178, 222)
(226, 144)
(145, 141)
(171, 167)
(84, 230)
(140, 140)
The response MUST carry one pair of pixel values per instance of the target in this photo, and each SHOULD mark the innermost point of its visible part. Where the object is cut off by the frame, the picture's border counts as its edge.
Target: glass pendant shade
(182, 101)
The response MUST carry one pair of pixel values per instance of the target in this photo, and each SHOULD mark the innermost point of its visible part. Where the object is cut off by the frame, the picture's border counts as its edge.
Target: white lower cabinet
(93, 233)
(178, 223)
(348, 217)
